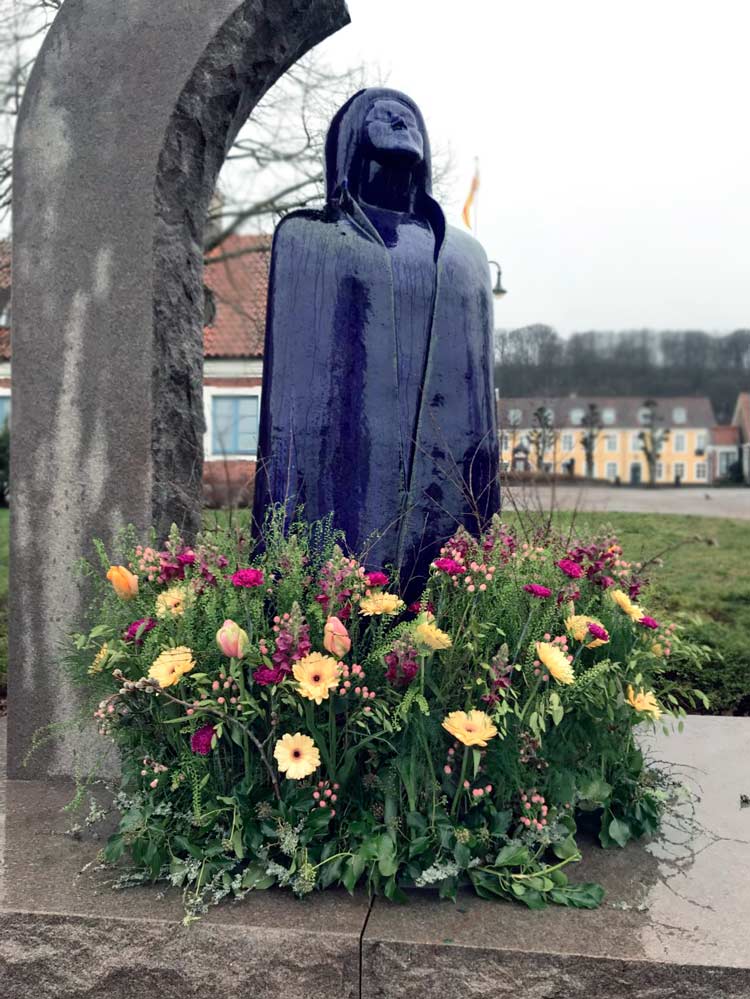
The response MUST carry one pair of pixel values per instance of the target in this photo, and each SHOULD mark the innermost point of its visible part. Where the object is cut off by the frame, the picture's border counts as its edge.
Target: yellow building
(556, 444)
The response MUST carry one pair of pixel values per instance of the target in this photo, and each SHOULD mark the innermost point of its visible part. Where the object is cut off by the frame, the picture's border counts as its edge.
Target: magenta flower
(416, 607)
(598, 632)
(448, 566)
(143, 625)
(605, 582)
(538, 591)
(247, 578)
(570, 568)
(200, 740)
(648, 622)
(377, 579)
(266, 677)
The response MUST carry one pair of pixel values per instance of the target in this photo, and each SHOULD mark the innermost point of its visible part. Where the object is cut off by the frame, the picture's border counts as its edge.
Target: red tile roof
(238, 281)
(725, 435)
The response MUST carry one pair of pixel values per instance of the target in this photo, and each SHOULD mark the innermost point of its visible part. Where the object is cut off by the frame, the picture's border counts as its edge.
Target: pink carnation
(648, 622)
(538, 591)
(377, 579)
(247, 578)
(143, 625)
(570, 568)
(449, 566)
(598, 632)
(200, 740)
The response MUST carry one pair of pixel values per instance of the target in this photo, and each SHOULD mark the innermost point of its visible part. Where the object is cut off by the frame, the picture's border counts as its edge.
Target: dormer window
(679, 414)
(609, 416)
(514, 417)
(576, 417)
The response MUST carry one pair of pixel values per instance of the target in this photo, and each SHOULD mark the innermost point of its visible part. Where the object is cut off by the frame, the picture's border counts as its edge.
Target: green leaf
(512, 855)
(582, 896)
(619, 831)
(256, 879)
(594, 793)
(566, 849)
(387, 860)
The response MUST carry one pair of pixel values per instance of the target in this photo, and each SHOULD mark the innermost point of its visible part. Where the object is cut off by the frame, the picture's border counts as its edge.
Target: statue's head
(380, 125)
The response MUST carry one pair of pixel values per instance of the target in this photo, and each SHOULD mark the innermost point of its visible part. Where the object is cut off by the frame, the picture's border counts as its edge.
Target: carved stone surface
(125, 123)
(675, 921)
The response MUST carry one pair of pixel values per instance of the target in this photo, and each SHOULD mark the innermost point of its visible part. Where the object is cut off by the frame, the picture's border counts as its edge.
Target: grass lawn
(704, 583)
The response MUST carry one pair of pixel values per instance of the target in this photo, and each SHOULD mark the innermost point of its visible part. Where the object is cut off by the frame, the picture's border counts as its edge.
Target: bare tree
(543, 437)
(652, 437)
(592, 424)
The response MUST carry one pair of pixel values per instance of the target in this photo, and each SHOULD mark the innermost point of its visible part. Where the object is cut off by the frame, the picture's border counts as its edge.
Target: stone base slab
(675, 920)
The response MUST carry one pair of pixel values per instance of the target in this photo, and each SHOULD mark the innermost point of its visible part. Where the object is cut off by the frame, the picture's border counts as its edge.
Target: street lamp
(498, 291)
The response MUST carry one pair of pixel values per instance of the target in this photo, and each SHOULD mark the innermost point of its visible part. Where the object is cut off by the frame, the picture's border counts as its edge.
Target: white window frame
(701, 471)
(679, 470)
(701, 440)
(680, 443)
(635, 444)
(611, 440)
(659, 470)
(567, 442)
(209, 391)
(576, 417)
(611, 471)
(5, 393)
(609, 416)
(679, 415)
(514, 417)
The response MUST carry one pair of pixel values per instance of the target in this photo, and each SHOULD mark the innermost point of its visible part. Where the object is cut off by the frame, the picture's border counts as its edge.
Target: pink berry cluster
(225, 690)
(402, 663)
(534, 810)
(353, 677)
(325, 795)
(478, 791)
(151, 766)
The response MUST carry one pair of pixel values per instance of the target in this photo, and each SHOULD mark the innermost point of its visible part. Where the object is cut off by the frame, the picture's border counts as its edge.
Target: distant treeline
(537, 361)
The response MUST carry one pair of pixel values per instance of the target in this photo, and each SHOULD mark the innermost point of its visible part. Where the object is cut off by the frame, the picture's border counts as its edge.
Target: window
(679, 470)
(700, 442)
(659, 470)
(701, 471)
(514, 417)
(726, 460)
(611, 440)
(609, 416)
(567, 442)
(679, 443)
(644, 416)
(234, 424)
(504, 442)
(576, 417)
(611, 470)
(549, 415)
(635, 443)
(4, 410)
(679, 414)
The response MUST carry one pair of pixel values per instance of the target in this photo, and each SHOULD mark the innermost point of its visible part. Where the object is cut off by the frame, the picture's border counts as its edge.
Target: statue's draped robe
(332, 415)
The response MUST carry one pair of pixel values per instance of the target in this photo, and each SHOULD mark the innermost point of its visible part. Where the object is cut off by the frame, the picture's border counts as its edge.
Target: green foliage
(391, 792)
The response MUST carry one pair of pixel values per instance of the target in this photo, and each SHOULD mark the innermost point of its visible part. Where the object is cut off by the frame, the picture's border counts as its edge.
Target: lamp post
(498, 291)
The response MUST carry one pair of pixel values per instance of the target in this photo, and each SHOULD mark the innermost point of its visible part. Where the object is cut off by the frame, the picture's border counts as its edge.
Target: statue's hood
(344, 151)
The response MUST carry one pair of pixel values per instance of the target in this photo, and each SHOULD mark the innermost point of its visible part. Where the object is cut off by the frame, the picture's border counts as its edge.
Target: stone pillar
(130, 109)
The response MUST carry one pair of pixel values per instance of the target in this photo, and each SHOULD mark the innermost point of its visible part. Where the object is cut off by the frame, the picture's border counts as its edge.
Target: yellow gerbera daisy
(577, 626)
(427, 633)
(555, 661)
(316, 675)
(172, 602)
(296, 755)
(380, 603)
(645, 702)
(472, 729)
(97, 664)
(171, 664)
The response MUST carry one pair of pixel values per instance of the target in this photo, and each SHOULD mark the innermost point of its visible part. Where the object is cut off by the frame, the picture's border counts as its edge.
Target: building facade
(552, 440)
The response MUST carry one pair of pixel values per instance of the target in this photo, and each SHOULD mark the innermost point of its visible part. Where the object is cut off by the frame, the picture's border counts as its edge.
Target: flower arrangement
(283, 718)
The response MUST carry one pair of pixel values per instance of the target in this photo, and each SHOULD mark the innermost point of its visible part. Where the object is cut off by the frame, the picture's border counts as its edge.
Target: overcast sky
(613, 143)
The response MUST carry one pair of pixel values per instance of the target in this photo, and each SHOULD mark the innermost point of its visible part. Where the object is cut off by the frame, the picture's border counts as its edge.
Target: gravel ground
(732, 503)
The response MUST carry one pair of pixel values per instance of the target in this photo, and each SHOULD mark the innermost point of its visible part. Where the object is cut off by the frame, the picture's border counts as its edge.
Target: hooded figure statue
(378, 400)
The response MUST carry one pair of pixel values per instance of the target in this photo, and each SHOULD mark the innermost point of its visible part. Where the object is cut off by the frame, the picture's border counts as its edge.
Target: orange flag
(472, 194)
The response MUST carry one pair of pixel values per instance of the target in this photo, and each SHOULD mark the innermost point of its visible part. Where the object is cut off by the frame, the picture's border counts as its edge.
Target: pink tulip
(232, 640)
(336, 638)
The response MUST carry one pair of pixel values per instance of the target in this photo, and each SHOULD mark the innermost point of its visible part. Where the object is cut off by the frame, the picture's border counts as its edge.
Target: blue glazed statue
(378, 401)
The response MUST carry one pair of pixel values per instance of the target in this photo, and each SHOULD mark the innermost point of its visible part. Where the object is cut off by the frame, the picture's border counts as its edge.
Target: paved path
(694, 500)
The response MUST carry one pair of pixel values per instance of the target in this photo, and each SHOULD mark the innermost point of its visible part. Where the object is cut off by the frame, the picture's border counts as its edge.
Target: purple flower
(200, 740)
(570, 568)
(247, 578)
(265, 677)
(605, 582)
(648, 622)
(143, 625)
(377, 579)
(416, 607)
(448, 566)
(598, 632)
(538, 591)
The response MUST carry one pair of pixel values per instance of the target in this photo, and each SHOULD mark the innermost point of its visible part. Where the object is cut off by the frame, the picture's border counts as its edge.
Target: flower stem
(461, 779)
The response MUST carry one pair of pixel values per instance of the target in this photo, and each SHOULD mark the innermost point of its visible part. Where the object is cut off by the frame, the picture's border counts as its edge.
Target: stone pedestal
(675, 920)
